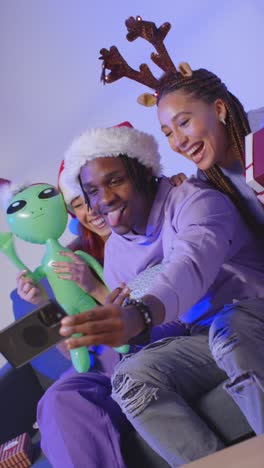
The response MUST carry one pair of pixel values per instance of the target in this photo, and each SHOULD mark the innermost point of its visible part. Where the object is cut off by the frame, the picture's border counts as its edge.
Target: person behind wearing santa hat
(204, 256)
(92, 232)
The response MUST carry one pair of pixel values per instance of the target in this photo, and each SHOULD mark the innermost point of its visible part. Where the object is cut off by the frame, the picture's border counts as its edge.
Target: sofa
(21, 389)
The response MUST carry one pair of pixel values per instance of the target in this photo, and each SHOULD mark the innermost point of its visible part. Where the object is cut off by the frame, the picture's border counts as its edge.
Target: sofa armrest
(20, 391)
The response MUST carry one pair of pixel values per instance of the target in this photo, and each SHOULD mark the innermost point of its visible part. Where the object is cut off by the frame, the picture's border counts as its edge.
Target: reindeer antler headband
(119, 68)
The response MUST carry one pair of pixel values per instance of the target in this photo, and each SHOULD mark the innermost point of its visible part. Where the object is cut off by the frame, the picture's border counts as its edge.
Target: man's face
(113, 195)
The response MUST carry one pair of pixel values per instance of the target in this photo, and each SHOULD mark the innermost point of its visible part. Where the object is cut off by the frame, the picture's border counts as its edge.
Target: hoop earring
(222, 120)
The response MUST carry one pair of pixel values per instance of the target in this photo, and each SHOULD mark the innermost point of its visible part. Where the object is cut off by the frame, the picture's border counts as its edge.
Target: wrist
(142, 316)
(157, 308)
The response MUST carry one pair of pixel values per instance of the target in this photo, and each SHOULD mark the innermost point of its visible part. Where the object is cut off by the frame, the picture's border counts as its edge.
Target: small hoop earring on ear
(222, 120)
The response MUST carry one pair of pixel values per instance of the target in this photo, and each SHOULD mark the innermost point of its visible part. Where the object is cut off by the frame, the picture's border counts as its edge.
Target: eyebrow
(76, 203)
(175, 117)
(105, 178)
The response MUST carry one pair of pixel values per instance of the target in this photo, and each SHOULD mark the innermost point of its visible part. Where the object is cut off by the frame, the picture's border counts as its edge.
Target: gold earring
(222, 120)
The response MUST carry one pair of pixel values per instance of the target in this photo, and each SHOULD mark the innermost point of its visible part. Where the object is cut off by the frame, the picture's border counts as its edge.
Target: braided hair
(206, 86)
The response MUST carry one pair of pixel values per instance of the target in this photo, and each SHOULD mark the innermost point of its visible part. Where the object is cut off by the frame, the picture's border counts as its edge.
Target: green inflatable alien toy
(38, 214)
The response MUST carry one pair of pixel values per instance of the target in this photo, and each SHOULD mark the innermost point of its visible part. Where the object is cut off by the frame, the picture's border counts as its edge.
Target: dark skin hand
(111, 324)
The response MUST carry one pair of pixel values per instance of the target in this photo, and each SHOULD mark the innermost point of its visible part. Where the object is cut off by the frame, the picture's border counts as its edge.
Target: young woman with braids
(204, 122)
(207, 124)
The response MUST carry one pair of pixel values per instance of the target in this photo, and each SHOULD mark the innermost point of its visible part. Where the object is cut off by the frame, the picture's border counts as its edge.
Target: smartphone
(33, 334)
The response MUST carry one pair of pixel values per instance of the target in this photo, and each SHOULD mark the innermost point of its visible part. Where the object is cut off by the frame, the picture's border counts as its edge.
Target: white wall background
(50, 89)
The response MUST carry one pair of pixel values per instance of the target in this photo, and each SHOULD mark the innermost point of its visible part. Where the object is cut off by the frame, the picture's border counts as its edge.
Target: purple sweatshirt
(209, 258)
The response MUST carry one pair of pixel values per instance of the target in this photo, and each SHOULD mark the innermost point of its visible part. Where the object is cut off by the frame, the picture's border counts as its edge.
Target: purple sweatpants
(80, 423)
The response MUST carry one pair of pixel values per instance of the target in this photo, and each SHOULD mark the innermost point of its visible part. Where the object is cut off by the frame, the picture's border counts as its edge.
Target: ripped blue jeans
(156, 387)
(236, 340)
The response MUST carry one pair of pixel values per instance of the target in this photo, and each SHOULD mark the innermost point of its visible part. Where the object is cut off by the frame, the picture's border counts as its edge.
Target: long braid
(205, 85)
(225, 185)
(237, 128)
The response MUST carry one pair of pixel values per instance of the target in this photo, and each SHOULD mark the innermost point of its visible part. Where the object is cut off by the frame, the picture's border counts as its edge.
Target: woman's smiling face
(193, 128)
(89, 220)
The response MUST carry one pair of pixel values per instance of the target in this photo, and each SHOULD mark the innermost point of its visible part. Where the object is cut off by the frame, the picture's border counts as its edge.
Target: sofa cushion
(223, 415)
(20, 392)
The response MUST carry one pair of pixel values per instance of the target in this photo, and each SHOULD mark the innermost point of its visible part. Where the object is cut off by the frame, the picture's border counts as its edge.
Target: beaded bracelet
(146, 315)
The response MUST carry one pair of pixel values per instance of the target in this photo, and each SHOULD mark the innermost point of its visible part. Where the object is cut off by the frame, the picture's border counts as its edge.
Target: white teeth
(98, 222)
(193, 149)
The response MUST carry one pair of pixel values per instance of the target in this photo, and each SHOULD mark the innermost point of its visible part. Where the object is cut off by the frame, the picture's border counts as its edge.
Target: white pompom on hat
(106, 142)
(7, 190)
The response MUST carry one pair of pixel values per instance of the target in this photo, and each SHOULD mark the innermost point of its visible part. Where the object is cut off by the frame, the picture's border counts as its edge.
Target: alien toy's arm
(38, 274)
(7, 248)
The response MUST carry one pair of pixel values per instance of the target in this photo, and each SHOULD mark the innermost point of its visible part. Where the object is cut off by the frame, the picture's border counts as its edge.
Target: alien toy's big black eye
(48, 193)
(16, 206)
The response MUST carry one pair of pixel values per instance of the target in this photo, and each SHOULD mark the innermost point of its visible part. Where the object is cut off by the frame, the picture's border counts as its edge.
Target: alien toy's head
(37, 213)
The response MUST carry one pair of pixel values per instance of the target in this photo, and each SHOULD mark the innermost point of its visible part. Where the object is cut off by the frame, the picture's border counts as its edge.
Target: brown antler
(113, 60)
(148, 30)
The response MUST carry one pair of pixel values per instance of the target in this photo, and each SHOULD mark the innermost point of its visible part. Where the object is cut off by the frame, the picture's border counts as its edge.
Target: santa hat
(76, 193)
(107, 142)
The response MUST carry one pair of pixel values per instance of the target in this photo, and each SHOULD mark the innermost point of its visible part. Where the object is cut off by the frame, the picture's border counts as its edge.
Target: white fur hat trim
(103, 142)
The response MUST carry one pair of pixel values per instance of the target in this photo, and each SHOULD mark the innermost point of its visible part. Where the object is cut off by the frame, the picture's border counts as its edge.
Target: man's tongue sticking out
(114, 217)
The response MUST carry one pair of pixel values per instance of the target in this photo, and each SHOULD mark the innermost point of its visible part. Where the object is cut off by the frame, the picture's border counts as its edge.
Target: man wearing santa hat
(186, 252)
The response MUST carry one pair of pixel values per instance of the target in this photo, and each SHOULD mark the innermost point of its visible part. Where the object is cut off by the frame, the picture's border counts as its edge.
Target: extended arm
(204, 235)
(205, 229)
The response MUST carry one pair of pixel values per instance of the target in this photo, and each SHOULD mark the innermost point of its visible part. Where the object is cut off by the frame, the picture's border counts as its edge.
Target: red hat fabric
(124, 124)
(4, 181)
(68, 205)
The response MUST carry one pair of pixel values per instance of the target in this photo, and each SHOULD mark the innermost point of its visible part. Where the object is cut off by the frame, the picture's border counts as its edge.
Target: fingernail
(68, 344)
(66, 321)
(66, 330)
